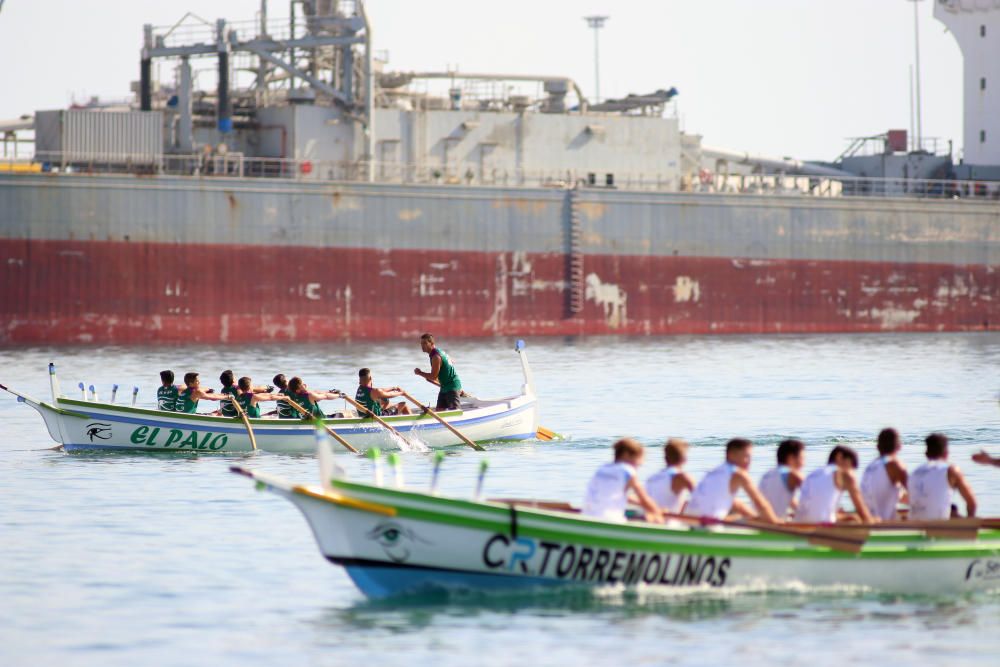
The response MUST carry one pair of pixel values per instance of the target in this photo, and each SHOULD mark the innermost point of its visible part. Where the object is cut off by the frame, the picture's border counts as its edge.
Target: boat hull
(84, 425)
(411, 542)
(109, 259)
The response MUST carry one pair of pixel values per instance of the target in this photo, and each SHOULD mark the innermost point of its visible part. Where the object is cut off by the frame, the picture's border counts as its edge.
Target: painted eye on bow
(388, 535)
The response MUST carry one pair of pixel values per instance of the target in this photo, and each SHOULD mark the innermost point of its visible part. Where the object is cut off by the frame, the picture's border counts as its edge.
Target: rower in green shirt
(250, 400)
(166, 395)
(228, 380)
(306, 398)
(442, 373)
(376, 400)
(285, 411)
(187, 399)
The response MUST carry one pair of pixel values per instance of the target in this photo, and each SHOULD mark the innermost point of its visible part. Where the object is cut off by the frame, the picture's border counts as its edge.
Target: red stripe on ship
(124, 292)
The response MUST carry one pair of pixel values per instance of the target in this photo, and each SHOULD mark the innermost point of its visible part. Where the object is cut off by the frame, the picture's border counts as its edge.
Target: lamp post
(916, 45)
(596, 22)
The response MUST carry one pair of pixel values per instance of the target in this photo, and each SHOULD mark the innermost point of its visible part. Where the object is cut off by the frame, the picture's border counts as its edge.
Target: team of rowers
(785, 492)
(185, 397)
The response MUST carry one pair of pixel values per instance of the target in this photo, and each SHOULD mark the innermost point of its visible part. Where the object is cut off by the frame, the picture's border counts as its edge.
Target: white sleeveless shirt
(607, 494)
(712, 496)
(820, 497)
(930, 492)
(661, 489)
(880, 493)
(774, 486)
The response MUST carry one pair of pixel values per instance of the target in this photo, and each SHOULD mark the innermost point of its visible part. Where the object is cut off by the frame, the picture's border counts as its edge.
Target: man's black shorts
(448, 400)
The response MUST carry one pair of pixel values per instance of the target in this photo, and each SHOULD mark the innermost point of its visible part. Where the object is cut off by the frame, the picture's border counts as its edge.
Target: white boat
(81, 424)
(394, 541)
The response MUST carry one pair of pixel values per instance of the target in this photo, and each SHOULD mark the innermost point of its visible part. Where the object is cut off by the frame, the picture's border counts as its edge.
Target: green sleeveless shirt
(166, 398)
(246, 402)
(307, 405)
(364, 397)
(447, 376)
(185, 403)
(227, 408)
(285, 411)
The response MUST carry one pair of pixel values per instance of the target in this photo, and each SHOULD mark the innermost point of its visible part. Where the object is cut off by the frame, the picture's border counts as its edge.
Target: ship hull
(119, 260)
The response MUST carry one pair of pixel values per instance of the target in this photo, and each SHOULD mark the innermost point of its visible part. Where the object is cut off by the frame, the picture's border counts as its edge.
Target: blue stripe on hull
(137, 448)
(380, 581)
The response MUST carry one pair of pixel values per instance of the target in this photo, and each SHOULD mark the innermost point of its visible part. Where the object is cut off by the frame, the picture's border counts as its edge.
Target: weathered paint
(125, 292)
(122, 259)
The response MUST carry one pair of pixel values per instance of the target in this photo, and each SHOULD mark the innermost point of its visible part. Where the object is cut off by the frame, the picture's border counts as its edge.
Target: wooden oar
(365, 411)
(955, 529)
(246, 422)
(448, 426)
(306, 415)
(832, 539)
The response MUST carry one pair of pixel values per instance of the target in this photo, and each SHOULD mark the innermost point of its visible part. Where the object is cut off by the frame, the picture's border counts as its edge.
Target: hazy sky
(778, 77)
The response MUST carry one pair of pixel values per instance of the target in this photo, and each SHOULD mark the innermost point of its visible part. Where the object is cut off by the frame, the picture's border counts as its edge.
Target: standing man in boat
(823, 488)
(884, 481)
(715, 495)
(933, 483)
(608, 491)
(376, 400)
(780, 484)
(166, 395)
(306, 398)
(250, 400)
(187, 400)
(671, 487)
(442, 373)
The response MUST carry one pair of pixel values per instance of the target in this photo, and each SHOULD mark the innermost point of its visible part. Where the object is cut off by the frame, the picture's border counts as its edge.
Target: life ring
(705, 176)
(306, 167)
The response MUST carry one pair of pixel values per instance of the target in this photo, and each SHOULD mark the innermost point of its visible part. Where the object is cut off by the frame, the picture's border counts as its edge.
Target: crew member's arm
(957, 481)
(794, 483)
(897, 473)
(653, 512)
(431, 377)
(681, 482)
(850, 484)
(259, 396)
(209, 395)
(764, 510)
(315, 396)
(387, 393)
(985, 459)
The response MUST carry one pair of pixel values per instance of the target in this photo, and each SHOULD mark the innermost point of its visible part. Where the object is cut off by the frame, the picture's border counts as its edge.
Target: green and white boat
(395, 541)
(81, 424)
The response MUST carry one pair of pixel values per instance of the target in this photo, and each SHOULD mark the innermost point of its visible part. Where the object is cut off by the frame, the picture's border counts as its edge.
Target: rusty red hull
(126, 292)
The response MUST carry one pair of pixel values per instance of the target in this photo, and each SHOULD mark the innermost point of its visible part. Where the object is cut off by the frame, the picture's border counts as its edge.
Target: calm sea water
(112, 559)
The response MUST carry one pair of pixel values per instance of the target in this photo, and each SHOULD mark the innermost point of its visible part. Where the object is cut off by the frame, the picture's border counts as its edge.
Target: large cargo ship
(312, 194)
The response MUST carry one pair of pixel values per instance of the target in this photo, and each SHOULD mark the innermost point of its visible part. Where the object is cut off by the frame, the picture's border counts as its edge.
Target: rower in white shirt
(608, 491)
(932, 484)
(883, 483)
(779, 484)
(715, 495)
(670, 487)
(823, 488)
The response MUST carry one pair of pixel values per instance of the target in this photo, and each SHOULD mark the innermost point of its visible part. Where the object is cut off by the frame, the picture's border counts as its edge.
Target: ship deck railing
(237, 165)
